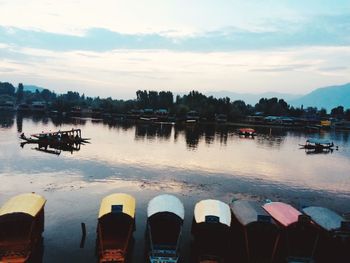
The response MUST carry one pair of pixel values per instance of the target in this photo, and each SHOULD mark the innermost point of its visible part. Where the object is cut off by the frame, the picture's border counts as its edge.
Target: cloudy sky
(115, 47)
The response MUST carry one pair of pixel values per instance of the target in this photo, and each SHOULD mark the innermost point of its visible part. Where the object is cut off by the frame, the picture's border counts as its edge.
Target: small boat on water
(335, 237)
(165, 216)
(299, 236)
(116, 223)
(317, 144)
(211, 231)
(256, 230)
(246, 132)
(21, 227)
(58, 137)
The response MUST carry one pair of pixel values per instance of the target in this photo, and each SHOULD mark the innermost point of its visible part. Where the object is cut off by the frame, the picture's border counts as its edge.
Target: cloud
(119, 73)
(317, 31)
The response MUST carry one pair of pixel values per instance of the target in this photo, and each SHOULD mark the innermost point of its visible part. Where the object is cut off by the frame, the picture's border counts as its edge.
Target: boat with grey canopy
(254, 231)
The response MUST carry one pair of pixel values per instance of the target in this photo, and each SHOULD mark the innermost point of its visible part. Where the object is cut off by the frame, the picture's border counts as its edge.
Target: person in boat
(23, 136)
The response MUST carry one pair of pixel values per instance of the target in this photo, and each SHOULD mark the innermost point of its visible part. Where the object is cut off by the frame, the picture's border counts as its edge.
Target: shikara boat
(165, 216)
(246, 132)
(254, 230)
(335, 238)
(317, 144)
(116, 223)
(21, 227)
(211, 232)
(299, 236)
(56, 138)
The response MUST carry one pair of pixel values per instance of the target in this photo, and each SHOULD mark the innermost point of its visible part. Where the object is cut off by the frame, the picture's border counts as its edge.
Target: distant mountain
(252, 99)
(327, 97)
(32, 88)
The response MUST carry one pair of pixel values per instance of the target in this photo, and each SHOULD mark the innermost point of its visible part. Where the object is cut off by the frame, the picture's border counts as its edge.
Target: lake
(194, 163)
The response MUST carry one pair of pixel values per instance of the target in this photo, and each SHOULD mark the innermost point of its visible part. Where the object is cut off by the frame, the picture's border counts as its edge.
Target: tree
(322, 112)
(19, 93)
(338, 112)
(347, 115)
(7, 89)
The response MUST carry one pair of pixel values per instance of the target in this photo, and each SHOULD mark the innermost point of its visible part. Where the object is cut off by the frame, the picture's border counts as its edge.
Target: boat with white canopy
(211, 231)
(165, 216)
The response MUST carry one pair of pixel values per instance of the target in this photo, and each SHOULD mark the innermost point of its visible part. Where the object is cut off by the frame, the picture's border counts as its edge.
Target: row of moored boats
(244, 231)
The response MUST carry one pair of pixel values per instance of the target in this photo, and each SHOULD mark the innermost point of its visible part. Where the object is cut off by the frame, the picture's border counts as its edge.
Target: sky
(115, 47)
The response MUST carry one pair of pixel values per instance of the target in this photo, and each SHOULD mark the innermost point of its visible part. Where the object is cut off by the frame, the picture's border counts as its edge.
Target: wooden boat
(256, 230)
(21, 227)
(317, 144)
(116, 223)
(246, 132)
(211, 231)
(335, 238)
(299, 236)
(72, 136)
(165, 216)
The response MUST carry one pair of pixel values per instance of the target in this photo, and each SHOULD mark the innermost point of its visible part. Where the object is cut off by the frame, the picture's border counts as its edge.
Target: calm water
(192, 163)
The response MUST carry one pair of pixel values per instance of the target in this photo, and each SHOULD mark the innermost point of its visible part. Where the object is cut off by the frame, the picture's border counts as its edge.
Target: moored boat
(72, 136)
(255, 231)
(299, 236)
(116, 223)
(335, 238)
(211, 231)
(21, 227)
(165, 216)
(317, 144)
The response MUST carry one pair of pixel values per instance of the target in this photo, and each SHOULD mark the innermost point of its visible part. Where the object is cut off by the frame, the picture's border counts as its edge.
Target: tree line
(206, 106)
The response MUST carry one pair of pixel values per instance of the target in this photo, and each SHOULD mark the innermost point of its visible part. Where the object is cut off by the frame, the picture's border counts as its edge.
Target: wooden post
(83, 230)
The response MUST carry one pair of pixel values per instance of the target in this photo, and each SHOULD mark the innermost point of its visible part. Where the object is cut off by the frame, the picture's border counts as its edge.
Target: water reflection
(54, 149)
(272, 155)
(6, 119)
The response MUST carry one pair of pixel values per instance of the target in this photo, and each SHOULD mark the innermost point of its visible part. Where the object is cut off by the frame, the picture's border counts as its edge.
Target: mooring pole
(83, 236)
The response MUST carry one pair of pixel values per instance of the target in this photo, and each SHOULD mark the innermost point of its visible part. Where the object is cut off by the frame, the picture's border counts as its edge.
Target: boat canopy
(29, 204)
(166, 203)
(285, 214)
(248, 212)
(318, 141)
(325, 218)
(212, 211)
(118, 203)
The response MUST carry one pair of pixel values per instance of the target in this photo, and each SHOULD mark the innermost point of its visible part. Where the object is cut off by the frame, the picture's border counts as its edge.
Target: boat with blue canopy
(335, 238)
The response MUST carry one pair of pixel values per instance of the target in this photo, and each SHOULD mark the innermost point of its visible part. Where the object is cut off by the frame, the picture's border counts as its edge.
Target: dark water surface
(192, 163)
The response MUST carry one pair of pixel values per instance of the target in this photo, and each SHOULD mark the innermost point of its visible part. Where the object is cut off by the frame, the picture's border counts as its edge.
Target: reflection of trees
(7, 119)
(192, 136)
(124, 125)
(271, 137)
(194, 133)
(152, 131)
